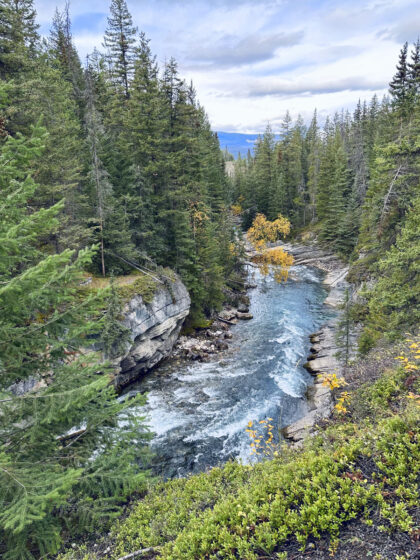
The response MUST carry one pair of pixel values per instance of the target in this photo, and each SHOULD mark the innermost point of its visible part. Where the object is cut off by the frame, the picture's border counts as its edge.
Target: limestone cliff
(154, 328)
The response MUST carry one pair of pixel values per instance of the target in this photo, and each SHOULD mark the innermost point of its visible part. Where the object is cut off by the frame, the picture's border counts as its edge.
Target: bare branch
(388, 194)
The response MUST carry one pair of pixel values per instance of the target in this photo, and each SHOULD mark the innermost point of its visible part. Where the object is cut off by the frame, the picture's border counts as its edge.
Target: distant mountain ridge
(237, 142)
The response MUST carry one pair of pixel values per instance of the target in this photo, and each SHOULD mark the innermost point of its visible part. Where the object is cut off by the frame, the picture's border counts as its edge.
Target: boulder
(244, 316)
(227, 314)
(301, 429)
(221, 344)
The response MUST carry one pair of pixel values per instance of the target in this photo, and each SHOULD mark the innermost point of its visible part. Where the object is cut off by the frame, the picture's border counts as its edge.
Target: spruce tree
(295, 176)
(58, 412)
(414, 71)
(334, 187)
(143, 129)
(60, 168)
(65, 54)
(18, 37)
(114, 335)
(344, 328)
(120, 39)
(113, 232)
(394, 302)
(313, 151)
(264, 173)
(398, 87)
(394, 179)
(326, 170)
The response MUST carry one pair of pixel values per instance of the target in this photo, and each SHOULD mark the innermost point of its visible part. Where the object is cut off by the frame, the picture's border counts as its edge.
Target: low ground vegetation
(351, 491)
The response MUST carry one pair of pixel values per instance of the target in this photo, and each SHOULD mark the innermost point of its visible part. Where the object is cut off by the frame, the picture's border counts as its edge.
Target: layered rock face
(154, 329)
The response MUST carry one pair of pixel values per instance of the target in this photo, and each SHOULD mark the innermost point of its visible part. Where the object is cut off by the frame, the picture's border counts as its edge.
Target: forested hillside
(108, 169)
(355, 184)
(127, 147)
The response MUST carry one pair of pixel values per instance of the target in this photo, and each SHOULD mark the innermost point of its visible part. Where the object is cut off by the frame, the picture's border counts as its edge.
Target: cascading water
(199, 411)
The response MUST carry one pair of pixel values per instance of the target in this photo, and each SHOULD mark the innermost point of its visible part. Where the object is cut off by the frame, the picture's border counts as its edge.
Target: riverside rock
(154, 329)
(322, 360)
(324, 349)
(244, 316)
(228, 314)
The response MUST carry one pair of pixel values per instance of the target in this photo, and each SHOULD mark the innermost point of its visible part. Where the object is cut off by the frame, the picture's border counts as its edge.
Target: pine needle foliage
(65, 462)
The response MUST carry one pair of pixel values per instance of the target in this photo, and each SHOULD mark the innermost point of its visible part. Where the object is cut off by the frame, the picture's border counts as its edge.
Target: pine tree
(18, 37)
(414, 71)
(120, 38)
(58, 413)
(398, 87)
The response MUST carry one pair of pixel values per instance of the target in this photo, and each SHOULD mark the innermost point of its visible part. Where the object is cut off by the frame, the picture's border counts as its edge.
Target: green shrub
(245, 512)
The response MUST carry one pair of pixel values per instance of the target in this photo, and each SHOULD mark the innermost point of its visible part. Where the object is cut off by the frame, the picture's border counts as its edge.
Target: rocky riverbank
(209, 341)
(155, 330)
(323, 358)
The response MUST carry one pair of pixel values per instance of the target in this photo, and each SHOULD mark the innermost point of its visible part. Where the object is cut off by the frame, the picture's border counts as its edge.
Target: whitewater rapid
(199, 412)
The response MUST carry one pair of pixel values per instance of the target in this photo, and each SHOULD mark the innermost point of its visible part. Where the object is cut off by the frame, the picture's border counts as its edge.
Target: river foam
(199, 412)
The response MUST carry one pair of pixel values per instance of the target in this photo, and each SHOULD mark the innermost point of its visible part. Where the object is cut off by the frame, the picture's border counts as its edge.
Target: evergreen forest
(109, 170)
(354, 181)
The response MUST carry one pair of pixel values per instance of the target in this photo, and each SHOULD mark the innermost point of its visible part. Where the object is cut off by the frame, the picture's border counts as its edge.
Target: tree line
(129, 150)
(105, 166)
(355, 183)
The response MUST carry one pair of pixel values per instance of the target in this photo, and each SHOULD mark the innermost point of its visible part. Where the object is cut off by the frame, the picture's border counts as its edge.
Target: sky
(252, 60)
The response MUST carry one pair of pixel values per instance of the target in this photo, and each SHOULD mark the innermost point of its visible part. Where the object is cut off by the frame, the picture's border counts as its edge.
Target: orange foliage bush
(262, 232)
(278, 257)
(236, 209)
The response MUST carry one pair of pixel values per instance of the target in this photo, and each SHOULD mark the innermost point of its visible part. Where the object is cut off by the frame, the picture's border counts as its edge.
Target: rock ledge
(324, 350)
(154, 329)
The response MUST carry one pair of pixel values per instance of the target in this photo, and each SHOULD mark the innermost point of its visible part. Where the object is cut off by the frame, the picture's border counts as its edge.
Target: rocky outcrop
(324, 350)
(154, 329)
(212, 340)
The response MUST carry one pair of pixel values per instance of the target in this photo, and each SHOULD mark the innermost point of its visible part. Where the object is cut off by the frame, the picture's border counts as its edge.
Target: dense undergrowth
(362, 466)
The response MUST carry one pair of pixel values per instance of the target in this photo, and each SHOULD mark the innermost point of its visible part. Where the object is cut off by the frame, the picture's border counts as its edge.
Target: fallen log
(138, 553)
(225, 321)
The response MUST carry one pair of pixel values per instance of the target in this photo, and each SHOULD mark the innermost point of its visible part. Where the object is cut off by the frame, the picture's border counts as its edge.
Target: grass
(128, 286)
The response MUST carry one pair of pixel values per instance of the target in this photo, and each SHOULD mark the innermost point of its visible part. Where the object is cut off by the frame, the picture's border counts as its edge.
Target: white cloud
(250, 61)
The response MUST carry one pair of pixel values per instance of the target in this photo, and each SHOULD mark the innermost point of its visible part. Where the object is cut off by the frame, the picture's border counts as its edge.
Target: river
(199, 411)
